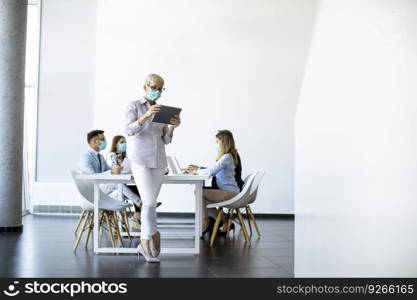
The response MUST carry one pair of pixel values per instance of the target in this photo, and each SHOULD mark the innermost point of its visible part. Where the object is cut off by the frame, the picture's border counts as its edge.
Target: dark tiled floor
(44, 249)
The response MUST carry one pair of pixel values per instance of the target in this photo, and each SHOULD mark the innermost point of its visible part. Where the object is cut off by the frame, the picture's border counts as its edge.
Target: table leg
(96, 209)
(198, 209)
(121, 198)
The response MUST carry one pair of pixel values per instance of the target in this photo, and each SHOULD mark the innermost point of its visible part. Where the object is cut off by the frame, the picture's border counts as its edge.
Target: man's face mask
(103, 145)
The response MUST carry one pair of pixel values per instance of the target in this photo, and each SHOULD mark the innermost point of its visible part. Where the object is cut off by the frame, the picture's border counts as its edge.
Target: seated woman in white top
(119, 163)
(116, 158)
(224, 172)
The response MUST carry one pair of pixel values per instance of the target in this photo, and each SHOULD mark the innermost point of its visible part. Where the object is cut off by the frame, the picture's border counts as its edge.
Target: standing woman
(146, 151)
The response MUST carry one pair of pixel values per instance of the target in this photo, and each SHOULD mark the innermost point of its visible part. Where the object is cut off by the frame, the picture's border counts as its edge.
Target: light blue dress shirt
(89, 162)
(224, 170)
(145, 143)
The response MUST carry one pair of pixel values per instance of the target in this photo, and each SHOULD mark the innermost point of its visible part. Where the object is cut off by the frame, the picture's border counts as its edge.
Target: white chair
(235, 204)
(251, 198)
(108, 209)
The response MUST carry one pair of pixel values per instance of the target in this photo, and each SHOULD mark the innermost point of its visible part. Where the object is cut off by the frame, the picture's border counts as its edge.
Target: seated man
(92, 162)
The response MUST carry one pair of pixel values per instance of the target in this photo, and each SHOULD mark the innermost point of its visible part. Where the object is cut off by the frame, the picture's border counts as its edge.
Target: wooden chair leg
(229, 221)
(110, 231)
(243, 226)
(86, 219)
(90, 228)
(79, 221)
(253, 220)
(100, 222)
(226, 218)
(100, 227)
(248, 218)
(216, 226)
(126, 224)
(117, 229)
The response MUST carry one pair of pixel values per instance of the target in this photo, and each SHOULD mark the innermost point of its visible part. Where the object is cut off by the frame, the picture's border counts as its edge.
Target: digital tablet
(165, 114)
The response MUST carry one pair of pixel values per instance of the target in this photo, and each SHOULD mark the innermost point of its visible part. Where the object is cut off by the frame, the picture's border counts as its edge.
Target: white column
(13, 16)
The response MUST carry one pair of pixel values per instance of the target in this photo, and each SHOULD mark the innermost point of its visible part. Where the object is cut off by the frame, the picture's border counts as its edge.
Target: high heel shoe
(210, 226)
(232, 227)
(209, 229)
(148, 259)
(223, 233)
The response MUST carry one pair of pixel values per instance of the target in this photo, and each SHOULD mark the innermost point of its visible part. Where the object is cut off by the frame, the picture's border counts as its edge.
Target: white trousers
(149, 183)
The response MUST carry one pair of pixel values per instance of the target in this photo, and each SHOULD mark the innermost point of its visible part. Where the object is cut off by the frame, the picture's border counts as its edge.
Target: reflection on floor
(44, 249)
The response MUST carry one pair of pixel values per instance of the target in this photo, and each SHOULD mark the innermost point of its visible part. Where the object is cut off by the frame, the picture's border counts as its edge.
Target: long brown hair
(228, 145)
(113, 148)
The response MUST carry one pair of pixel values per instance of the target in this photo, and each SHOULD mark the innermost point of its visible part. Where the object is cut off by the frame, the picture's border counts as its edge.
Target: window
(31, 100)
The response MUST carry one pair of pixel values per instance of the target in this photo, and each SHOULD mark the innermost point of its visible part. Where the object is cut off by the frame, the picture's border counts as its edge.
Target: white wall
(232, 65)
(229, 64)
(356, 127)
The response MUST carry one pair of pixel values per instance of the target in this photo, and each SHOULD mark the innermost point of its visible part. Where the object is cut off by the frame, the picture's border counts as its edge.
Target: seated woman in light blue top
(224, 172)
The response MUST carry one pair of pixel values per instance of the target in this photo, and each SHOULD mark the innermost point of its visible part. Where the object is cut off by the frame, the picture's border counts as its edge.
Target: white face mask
(153, 95)
(218, 148)
(103, 145)
(121, 147)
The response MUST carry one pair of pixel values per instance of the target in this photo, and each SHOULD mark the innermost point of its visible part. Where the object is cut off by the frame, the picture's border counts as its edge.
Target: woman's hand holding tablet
(175, 121)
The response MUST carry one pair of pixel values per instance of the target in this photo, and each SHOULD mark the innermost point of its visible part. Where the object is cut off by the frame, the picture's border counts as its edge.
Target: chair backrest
(82, 191)
(86, 192)
(240, 200)
(245, 180)
(244, 194)
(254, 188)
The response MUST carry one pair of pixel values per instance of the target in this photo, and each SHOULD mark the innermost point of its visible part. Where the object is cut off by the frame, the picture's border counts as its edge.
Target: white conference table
(196, 180)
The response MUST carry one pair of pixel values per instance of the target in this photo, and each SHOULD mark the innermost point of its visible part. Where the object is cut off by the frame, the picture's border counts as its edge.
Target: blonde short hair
(154, 81)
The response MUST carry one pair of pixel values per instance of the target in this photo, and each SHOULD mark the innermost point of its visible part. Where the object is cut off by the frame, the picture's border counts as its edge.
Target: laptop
(174, 166)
